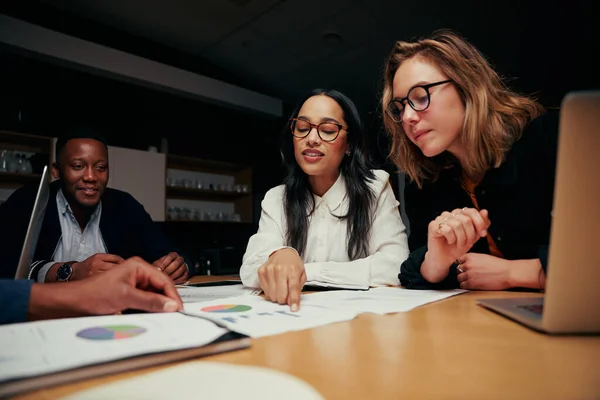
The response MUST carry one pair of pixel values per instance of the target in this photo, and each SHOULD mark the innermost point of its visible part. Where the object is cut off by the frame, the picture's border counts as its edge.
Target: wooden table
(452, 349)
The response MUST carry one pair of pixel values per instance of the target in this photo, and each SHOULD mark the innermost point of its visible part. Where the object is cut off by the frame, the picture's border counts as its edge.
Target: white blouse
(326, 255)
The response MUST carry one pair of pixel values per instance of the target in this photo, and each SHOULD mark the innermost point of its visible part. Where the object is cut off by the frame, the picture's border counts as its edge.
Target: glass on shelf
(196, 215)
(23, 164)
(13, 165)
(241, 188)
(28, 165)
(5, 156)
(16, 162)
(171, 213)
(208, 216)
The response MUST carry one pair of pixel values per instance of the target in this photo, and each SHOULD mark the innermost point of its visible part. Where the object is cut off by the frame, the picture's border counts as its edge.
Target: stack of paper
(256, 317)
(381, 300)
(35, 348)
(191, 294)
(324, 285)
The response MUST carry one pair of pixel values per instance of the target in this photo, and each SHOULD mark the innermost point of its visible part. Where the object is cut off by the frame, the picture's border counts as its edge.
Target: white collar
(335, 195)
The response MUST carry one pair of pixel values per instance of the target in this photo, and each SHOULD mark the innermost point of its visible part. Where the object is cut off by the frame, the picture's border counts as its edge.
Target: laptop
(572, 298)
(34, 228)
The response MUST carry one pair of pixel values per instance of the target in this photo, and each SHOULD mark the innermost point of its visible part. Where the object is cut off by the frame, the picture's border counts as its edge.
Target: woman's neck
(460, 152)
(473, 176)
(320, 184)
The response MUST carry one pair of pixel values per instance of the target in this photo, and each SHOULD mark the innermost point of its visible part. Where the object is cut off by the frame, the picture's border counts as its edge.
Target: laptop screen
(35, 226)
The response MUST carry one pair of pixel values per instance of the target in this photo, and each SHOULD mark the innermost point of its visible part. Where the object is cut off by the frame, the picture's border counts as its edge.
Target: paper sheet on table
(35, 348)
(256, 317)
(190, 294)
(208, 380)
(381, 300)
(336, 285)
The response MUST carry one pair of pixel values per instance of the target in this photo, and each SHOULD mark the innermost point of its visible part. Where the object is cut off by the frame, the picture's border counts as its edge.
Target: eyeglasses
(327, 131)
(418, 98)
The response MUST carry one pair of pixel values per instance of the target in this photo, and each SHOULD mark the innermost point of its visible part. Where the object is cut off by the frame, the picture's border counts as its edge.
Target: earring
(348, 152)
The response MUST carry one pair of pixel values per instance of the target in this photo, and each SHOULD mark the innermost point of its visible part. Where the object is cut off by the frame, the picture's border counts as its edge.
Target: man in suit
(88, 228)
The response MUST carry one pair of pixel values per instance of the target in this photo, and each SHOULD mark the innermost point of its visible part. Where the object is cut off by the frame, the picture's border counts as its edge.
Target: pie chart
(226, 308)
(111, 332)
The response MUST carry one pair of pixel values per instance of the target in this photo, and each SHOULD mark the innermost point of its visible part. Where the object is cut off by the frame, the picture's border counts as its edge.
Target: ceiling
(285, 47)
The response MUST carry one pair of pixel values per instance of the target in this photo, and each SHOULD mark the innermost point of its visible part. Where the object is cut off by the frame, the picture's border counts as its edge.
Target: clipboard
(228, 342)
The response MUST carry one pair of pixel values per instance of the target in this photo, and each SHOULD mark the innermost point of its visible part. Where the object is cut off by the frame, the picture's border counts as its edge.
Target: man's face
(83, 169)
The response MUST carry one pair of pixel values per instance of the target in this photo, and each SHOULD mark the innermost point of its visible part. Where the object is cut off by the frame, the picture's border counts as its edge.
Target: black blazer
(126, 228)
(518, 195)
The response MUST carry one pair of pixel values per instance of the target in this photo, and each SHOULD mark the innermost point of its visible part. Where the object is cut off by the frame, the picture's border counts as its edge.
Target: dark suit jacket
(126, 228)
(518, 196)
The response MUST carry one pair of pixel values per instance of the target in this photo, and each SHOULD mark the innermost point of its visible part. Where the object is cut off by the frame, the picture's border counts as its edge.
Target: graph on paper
(256, 317)
(111, 332)
(260, 315)
(226, 308)
(44, 347)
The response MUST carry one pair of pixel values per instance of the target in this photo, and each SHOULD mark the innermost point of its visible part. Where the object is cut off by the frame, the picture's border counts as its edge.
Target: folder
(87, 354)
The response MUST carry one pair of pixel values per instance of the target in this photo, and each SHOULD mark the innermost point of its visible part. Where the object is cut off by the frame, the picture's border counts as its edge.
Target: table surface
(448, 349)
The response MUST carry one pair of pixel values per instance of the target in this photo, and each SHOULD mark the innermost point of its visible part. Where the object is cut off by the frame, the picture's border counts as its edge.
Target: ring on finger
(459, 211)
(459, 269)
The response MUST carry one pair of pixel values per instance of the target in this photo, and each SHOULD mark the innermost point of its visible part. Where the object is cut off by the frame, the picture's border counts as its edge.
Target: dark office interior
(277, 48)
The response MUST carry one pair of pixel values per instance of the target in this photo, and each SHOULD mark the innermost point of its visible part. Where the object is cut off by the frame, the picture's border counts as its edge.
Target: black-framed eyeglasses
(418, 98)
(327, 131)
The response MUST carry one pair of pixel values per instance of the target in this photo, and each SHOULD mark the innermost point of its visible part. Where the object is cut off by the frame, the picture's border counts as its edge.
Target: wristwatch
(64, 272)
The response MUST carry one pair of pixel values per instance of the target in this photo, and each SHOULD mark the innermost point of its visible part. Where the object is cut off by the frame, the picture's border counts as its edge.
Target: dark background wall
(46, 99)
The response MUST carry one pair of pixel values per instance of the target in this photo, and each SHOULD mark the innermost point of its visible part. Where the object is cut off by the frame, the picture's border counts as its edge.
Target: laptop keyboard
(534, 308)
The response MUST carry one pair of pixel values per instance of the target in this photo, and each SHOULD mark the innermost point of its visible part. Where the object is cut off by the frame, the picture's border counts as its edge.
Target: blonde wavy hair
(495, 116)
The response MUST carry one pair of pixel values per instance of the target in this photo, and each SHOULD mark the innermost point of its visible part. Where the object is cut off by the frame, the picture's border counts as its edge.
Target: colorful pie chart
(226, 308)
(111, 332)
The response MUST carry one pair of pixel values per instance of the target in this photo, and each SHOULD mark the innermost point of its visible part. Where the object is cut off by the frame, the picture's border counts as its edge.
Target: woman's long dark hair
(298, 199)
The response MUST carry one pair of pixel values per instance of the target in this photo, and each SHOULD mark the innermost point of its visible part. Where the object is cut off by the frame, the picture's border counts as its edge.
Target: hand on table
(282, 278)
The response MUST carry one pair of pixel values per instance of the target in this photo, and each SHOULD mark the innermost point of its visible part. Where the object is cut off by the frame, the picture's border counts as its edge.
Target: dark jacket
(518, 196)
(126, 228)
(14, 297)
